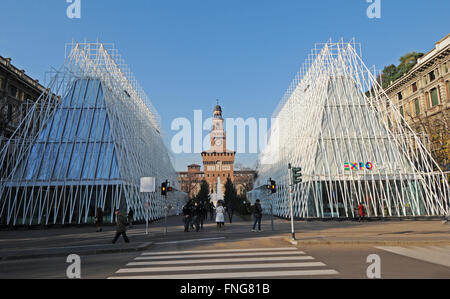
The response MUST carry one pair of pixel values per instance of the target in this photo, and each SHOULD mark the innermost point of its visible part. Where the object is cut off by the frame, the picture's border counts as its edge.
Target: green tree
(203, 194)
(230, 195)
(391, 72)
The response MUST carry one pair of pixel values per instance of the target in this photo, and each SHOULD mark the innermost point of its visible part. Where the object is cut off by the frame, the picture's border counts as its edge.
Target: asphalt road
(242, 254)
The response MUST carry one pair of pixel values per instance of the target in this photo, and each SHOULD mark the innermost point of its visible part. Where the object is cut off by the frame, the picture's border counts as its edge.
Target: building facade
(90, 149)
(218, 164)
(352, 151)
(18, 92)
(423, 98)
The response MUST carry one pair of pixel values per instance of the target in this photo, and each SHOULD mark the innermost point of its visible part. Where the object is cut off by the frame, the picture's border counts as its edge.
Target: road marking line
(220, 251)
(423, 254)
(221, 267)
(235, 275)
(189, 241)
(209, 255)
(208, 261)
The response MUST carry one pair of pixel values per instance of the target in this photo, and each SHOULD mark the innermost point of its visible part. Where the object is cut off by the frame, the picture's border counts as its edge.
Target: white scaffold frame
(134, 142)
(354, 147)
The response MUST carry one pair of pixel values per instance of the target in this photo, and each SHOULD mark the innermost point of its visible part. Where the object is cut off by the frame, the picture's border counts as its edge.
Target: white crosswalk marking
(432, 254)
(224, 263)
(221, 251)
(209, 255)
(210, 261)
(221, 267)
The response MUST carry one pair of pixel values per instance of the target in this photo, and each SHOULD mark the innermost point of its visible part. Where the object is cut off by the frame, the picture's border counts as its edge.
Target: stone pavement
(18, 244)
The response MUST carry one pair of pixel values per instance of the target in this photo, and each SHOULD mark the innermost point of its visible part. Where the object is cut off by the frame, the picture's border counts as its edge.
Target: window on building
(417, 106)
(10, 112)
(446, 66)
(414, 87)
(426, 80)
(13, 91)
(402, 111)
(432, 76)
(400, 96)
(434, 97)
(448, 90)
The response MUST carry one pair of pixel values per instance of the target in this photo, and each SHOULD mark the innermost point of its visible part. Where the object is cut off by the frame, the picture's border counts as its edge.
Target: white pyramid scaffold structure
(353, 145)
(86, 149)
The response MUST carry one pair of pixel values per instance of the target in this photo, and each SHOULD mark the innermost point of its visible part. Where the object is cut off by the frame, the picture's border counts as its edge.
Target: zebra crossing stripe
(220, 251)
(239, 275)
(232, 260)
(221, 267)
(219, 255)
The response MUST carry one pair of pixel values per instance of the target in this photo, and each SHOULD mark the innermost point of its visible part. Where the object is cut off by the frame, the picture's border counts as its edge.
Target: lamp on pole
(148, 185)
(291, 201)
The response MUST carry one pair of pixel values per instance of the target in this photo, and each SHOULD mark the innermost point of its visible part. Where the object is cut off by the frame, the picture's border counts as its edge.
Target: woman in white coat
(220, 217)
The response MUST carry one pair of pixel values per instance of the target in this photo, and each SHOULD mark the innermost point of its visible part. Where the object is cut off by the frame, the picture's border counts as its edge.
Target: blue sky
(186, 54)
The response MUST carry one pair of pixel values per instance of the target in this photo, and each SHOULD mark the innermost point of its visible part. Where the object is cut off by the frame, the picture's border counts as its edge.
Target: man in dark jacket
(186, 217)
(196, 214)
(99, 219)
(230, 211)
(130, 217)
(257, 214)
(203, 213)
(121, 228)
(211, 211)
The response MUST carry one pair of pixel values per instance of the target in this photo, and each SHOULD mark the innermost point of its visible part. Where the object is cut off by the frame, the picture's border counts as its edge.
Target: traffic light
(297, 175)
(164, 188)
(273, 186)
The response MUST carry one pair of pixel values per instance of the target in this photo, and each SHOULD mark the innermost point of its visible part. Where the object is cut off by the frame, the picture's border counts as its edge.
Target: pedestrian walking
(257, 215)
(186, 217)
(192, 213)
(196, 216)
(202, 213)
(121, 228)
(220, 218)
(211, 211)
(99, 219)
(361, 212)
(230, 211)
(130, 217)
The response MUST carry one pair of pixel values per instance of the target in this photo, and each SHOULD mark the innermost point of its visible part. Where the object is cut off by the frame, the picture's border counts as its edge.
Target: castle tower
(218, 162)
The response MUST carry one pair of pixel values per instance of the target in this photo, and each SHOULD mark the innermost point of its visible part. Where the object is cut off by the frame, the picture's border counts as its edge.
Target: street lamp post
(148, 186)
(291, 201)
(271, 203)
(167, 211)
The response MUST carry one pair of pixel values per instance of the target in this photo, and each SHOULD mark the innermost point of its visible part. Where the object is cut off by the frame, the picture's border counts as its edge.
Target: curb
(141, 247)
(300, 242)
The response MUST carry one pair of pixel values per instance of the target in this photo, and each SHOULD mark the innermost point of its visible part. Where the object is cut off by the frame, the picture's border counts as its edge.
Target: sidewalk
(20, 244)
(406, 232)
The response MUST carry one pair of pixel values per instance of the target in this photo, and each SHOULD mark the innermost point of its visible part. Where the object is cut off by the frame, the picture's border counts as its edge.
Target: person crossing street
(257, 215)
(121, 228)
